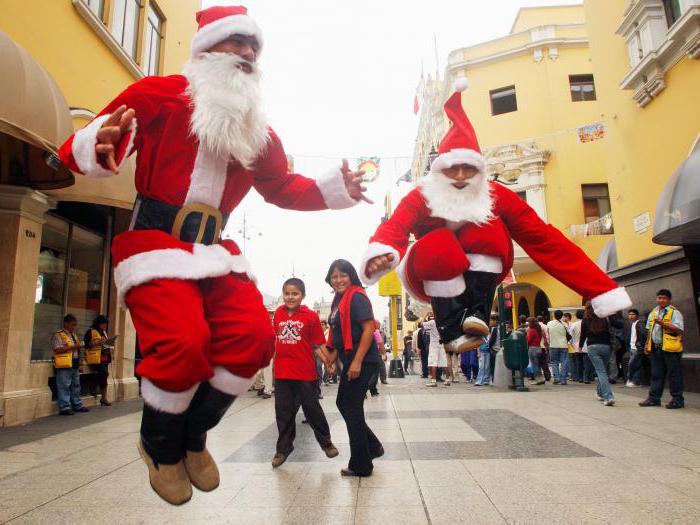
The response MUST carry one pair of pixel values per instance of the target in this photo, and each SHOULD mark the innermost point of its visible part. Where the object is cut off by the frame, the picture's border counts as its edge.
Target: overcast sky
(339, 81)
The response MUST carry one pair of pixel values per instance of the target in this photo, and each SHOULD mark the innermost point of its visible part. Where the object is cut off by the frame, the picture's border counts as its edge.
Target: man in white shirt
(558, 348)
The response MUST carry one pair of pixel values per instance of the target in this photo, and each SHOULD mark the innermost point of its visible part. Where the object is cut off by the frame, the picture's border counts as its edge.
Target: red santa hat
(459, 145)
(218, 23)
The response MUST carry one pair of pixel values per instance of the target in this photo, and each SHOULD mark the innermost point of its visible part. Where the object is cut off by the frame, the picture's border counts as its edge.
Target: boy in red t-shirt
(299, 338)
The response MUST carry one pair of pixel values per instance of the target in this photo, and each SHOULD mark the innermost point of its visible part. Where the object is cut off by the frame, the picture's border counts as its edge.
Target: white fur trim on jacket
(479, 262)
(229, 383)
(450, 288)
(164, 401)
(173, 263)
(220, 30)
(459, 156)
(611, 302)
(376, 249)
(83, 149)
(335, 194)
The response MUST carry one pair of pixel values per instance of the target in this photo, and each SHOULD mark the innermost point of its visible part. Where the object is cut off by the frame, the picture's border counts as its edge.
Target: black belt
(190, 223)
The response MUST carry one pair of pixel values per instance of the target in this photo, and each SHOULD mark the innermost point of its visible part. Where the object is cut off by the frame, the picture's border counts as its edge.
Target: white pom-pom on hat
(461, 84)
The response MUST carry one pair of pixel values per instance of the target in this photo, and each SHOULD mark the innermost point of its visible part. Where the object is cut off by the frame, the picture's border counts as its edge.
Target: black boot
(449, 316)
(478, 299)
(206, 410)
(161, 447)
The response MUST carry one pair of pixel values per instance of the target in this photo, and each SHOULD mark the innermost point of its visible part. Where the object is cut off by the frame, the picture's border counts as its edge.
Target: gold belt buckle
(207, 213)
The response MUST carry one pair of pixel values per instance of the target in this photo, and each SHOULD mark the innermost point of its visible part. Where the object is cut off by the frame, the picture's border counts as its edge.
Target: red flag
(416, 106)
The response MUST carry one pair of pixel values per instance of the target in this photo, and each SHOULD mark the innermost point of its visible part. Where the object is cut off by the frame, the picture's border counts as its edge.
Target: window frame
(597, 199)
(495, 92)
(672, 15)
(151, 5)
(578, 81)
(137, 27)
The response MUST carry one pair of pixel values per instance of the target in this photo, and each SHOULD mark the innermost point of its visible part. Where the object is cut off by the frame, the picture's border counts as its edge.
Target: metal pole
(394, 328)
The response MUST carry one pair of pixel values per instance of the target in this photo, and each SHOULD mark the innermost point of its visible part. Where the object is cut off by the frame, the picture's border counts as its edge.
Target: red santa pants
(186, 328)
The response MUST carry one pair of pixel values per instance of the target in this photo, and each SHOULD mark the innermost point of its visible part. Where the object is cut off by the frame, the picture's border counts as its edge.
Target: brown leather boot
(170, 482)
(161, 448)
(206, 410)
(202, 470)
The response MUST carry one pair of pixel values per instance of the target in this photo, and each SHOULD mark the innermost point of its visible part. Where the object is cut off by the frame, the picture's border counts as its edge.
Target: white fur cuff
(458, 156)
(229, 383)
(164, 401)
(610, 302)
(375, 249)
(332, 188)
(173, 263)
(84, 142)
(449, 288)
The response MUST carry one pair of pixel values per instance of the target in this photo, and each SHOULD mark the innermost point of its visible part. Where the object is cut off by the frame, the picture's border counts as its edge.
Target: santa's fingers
(368, 201)
(115, 118)
(126, 120)
(109, 135)
(107, 150)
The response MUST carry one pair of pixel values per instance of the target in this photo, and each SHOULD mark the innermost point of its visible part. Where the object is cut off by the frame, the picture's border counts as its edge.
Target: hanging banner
(590, 133)
(370, 165)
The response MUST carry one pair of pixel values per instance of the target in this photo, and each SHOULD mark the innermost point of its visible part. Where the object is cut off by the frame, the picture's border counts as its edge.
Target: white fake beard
(472, 203)
(226, 117)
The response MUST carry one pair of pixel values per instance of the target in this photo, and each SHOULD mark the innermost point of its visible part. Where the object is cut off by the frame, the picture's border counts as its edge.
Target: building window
(672, 8)
(582, 87)
(596, 201)
(125, 24)
(97, 7)
(503, 100)
(70, 281)
(153, 40)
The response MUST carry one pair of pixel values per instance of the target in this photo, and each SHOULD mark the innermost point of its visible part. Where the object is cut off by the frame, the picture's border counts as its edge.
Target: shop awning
(677, 218)
(33, 110)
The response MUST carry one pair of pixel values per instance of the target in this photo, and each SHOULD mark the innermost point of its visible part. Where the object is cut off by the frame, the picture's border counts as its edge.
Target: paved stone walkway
(458, 454)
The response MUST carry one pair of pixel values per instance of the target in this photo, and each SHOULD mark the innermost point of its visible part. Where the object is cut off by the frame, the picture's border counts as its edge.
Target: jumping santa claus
(464, 227)
(202, 144)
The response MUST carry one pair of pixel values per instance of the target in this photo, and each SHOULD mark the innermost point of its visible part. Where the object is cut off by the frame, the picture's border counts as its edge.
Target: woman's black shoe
(675, 404)
(649, 403)
(346, 472)
(82, 409)
(66, 413)
(379, 453)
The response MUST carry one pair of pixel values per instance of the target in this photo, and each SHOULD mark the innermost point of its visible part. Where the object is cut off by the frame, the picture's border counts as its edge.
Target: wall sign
(642, 222)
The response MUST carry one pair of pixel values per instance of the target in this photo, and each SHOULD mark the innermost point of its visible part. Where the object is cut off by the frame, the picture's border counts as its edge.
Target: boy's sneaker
(609, 402)
(601, 399)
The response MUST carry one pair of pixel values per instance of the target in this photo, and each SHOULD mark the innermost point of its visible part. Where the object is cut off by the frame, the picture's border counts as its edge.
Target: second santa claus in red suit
(202, 144)
(465, 226)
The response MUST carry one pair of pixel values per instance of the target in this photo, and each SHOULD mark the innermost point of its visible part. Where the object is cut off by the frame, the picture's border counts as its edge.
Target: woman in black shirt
(352, 337)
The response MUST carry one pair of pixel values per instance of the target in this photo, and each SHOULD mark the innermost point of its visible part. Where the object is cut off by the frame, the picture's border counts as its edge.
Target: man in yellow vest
(66, 349)
(665, 349)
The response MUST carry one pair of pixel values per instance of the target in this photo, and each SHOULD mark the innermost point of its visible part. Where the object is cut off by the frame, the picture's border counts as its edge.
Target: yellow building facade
(68, 59)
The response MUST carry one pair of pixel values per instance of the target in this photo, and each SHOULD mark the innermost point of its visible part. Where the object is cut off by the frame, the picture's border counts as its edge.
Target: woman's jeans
(469, 364)
(536, 354)
(364, 445)
(600, 357)
(560, 364)
(68, 389)
(484, 375)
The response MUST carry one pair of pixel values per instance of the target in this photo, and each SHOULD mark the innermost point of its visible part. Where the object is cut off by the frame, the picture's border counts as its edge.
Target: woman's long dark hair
(100, 319)
(535, 325)
(345, 267)
(596, 325)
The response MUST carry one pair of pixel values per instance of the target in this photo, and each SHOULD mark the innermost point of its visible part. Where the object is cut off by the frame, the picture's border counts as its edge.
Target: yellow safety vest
(93, 354)
(64, 359)
(669, 342)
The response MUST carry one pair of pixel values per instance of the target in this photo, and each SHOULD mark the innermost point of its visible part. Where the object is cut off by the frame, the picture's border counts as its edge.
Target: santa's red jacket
(173, 167)
(514, 221)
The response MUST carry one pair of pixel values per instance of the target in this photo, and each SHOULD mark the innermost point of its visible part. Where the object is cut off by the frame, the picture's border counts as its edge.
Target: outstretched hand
(111, 133)
(353, 183)
(379, 264)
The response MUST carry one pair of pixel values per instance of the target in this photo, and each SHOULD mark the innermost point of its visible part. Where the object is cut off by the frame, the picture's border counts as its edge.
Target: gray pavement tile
(384, 514)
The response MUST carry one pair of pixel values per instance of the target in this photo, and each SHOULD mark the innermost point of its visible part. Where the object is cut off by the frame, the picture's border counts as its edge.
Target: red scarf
(344, 311)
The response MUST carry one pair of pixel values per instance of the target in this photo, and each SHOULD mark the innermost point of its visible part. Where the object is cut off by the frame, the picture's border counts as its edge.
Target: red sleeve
(316, 331)
(548, 247)
(78, 152)
(395, 231)
(295, 192)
